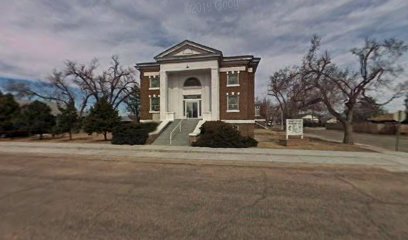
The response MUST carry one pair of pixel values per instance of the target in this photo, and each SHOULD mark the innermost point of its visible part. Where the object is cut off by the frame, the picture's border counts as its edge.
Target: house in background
(194, 82)
(310, 118)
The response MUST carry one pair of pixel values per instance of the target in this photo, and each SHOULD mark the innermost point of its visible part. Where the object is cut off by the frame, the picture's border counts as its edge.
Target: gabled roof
(188, 49)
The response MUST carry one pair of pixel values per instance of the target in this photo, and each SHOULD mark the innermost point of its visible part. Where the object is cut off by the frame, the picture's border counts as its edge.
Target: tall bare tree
(378, 69)
(82, 84)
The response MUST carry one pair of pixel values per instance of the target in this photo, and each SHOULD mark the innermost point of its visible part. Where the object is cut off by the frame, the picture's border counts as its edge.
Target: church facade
(193, 81)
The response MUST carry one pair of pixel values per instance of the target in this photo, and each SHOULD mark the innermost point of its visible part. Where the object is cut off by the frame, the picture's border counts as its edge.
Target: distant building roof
(390, 117)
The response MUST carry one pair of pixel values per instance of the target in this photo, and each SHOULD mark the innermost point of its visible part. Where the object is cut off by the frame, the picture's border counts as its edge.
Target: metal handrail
(174, 129)
(257, 123)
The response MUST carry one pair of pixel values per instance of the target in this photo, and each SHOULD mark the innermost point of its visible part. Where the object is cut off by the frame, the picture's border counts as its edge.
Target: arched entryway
(192, 103)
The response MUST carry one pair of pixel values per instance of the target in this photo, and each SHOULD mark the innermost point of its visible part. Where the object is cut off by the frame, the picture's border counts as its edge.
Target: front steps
(179, 138)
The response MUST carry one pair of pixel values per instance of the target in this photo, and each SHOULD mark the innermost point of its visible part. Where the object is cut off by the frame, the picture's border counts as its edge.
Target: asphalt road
(377, 140)
(55, 197)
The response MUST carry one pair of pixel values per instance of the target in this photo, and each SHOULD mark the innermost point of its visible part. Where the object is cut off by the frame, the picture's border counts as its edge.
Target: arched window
(192, 82)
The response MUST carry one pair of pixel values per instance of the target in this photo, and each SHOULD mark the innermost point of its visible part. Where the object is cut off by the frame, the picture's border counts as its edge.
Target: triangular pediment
(187, 49)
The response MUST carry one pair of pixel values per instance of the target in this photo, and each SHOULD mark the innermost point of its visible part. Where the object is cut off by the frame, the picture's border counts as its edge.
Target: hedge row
(218, 134)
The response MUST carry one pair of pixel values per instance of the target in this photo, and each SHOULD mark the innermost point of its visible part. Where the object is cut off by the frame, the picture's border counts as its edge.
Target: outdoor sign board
(400, 116)
(294, 127)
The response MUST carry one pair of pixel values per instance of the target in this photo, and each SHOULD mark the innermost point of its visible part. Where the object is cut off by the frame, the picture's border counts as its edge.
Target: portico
(189, 87)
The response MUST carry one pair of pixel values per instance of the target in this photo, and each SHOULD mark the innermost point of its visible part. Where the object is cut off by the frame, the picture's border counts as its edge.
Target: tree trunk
(348, 133)
(104, 136)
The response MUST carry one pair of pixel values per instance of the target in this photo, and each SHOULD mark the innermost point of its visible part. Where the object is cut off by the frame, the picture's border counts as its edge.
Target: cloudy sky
(36, 36)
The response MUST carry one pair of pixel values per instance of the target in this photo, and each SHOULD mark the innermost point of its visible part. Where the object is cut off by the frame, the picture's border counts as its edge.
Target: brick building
(193, 81)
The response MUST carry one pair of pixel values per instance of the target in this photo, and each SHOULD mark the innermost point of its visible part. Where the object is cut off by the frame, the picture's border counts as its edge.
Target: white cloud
(38, 35)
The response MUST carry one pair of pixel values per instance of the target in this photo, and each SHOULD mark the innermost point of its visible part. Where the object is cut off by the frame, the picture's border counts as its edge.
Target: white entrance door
(192, 109)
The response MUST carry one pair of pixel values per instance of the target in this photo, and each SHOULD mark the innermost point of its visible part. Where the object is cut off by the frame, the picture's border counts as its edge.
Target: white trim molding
(197, 129)
(238, 121)
(146, 121)
(233, 69)
(151, 74)
(159, 128)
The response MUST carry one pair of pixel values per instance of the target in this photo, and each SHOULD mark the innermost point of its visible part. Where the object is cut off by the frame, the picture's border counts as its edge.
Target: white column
(215, 94)
(163, 95)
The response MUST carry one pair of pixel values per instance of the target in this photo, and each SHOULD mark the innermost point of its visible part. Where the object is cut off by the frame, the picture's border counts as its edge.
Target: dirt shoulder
(71, 197)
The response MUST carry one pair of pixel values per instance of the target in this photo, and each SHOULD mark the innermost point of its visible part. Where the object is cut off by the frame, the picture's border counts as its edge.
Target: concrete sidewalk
(392, 161)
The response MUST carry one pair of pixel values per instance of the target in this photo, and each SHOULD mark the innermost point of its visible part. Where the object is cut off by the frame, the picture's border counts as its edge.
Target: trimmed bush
(130, 134)
(218, 134)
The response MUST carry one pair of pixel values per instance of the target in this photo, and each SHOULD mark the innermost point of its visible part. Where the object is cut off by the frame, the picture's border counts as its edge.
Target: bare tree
(133, 103)
(378, 70)
(82, 83)
(292, 92)
(55, 89)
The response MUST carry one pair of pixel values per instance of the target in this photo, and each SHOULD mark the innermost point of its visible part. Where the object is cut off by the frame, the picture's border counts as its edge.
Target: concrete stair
(179, 138)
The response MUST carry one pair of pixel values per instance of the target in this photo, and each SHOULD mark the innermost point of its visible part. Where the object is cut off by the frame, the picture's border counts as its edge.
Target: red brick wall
(246, 97)
(144, 97)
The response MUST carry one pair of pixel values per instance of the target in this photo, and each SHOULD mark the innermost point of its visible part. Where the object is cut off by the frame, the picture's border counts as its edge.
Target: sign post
(294, 127)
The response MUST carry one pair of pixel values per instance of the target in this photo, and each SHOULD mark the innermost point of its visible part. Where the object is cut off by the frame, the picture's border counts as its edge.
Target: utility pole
(398, 130)
(281, 119)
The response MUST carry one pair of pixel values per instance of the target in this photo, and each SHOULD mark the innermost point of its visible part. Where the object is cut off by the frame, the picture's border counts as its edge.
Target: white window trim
(150, 109)
(232, 110)
(235, 84)
(150, 83)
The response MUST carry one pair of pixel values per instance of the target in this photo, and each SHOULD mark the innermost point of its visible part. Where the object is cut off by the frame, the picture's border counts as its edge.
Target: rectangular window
(257, 111)
(233, 79)
(155, 82)
(233, 103)
(155, 104)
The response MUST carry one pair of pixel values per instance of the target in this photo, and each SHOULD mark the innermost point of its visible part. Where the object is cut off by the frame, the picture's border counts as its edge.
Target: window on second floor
(155, 82)
(233, 79)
